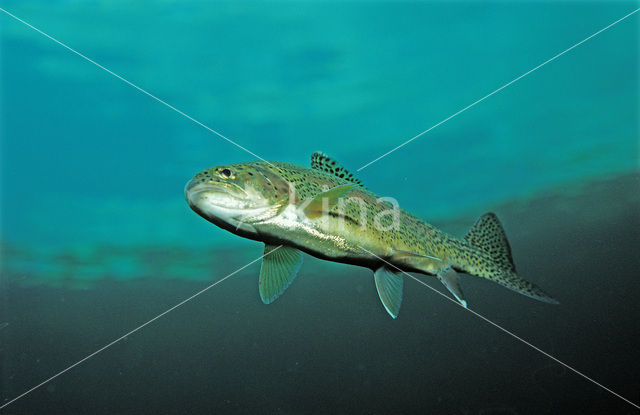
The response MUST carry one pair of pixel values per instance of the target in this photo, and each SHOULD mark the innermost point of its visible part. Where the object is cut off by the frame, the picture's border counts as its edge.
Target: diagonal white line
(498, 90)
(506, 331)
(364, 166)
(134, 330)
(133, 85)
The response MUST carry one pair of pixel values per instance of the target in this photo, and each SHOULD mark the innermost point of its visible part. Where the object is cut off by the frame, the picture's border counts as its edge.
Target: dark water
(96, 238)
(327, 346)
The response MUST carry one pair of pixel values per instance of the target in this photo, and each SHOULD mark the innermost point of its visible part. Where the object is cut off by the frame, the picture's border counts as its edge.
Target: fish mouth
(218, 201)
(215, 202)
(195, 188)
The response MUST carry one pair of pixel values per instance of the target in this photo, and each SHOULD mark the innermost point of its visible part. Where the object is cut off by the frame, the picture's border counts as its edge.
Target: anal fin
(280, 266)
(449, 278)
(389, 285)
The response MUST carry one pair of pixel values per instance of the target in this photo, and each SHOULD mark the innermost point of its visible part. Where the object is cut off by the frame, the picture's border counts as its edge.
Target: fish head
(238, 197)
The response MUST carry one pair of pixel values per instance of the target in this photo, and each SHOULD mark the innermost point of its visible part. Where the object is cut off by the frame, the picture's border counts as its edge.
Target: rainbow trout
(326, 212)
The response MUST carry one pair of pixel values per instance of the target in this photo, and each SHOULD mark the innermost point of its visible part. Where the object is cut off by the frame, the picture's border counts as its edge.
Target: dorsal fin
(322, 162)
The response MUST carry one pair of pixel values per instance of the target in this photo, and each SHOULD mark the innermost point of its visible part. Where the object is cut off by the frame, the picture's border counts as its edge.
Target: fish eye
(226, 173)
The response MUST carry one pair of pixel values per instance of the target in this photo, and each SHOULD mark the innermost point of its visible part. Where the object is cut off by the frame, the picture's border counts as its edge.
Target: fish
(327, 212)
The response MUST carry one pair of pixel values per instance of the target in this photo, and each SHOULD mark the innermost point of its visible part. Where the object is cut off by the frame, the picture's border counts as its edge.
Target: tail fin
(488, 235)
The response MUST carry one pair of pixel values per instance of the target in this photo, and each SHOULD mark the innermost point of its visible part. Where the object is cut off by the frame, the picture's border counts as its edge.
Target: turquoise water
(96, 236)
(87, 158)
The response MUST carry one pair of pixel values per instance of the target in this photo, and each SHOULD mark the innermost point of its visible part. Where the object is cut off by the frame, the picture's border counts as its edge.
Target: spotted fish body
(326, 212)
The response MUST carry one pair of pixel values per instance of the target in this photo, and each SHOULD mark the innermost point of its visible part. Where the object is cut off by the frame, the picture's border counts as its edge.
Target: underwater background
(97, 238)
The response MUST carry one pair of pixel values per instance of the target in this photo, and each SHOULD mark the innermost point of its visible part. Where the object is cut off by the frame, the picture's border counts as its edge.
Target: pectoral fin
(328, 199)
(389, 285)
(399, 254)
(424, 263)
(450, 279)
(279, 267)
